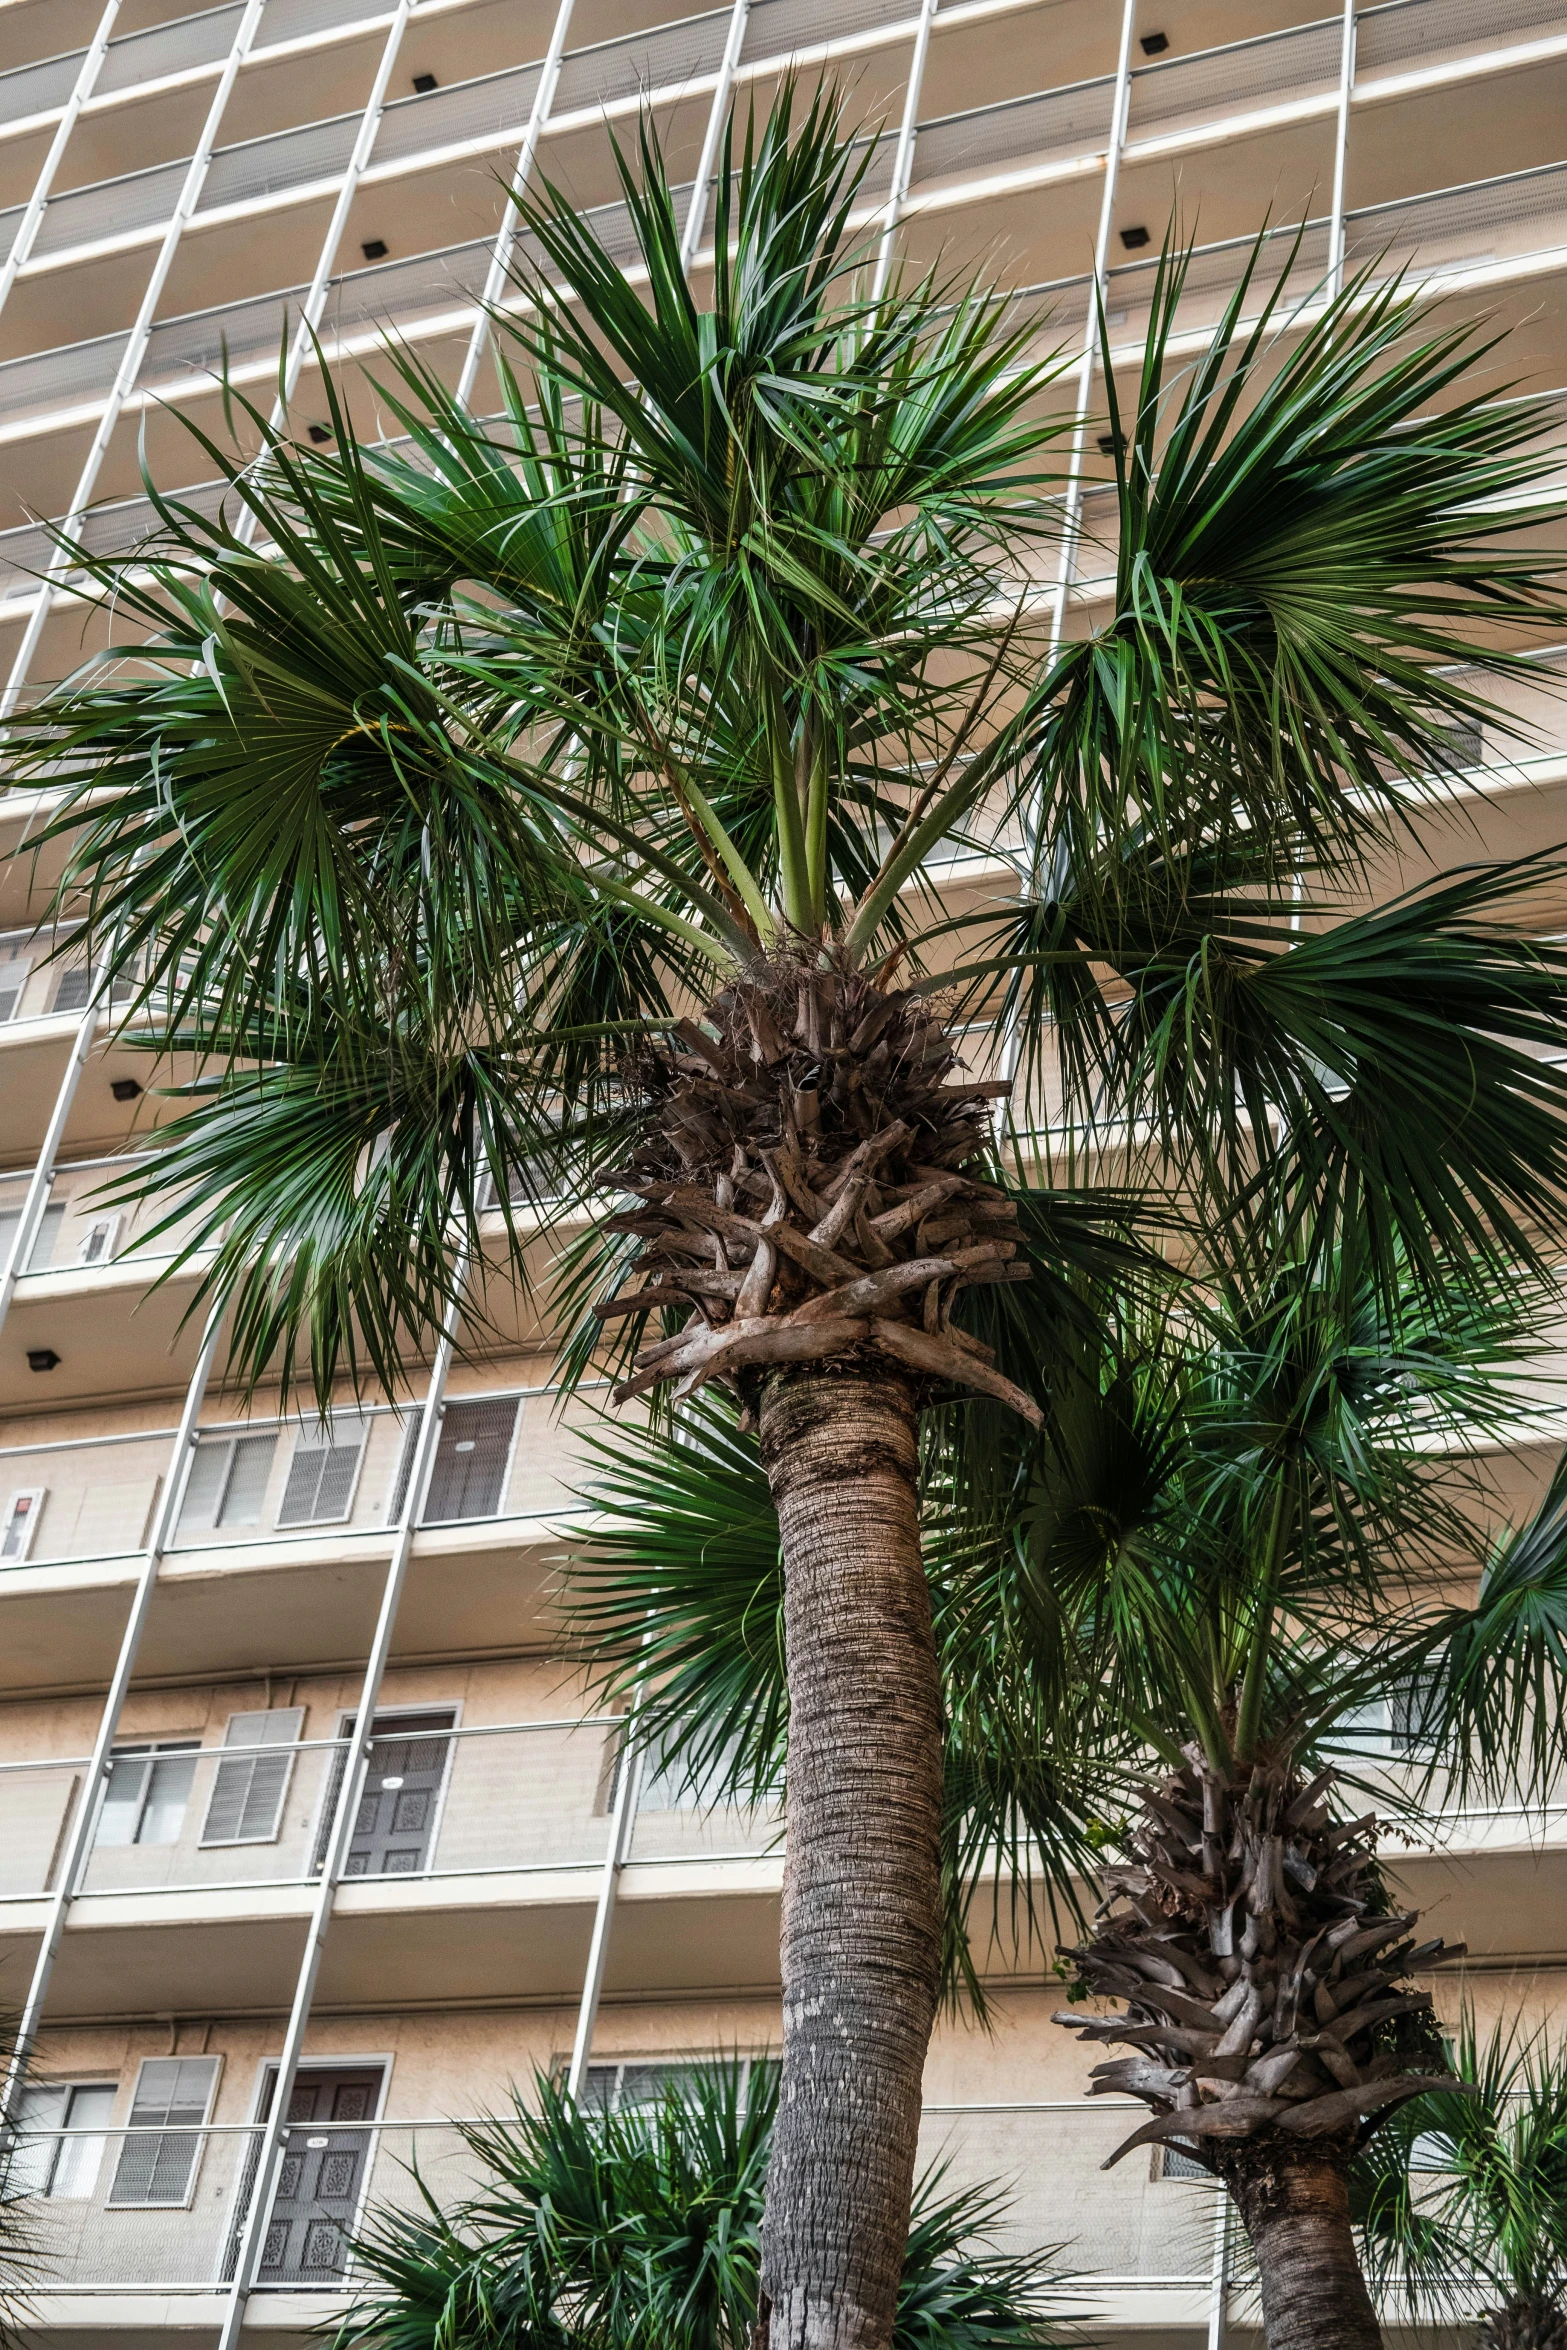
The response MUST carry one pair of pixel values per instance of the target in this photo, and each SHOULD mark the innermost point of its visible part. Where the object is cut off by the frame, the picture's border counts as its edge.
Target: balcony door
(394, 1828)
(322, 2174)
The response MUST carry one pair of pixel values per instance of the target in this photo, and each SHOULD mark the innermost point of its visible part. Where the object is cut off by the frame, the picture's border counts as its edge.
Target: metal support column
(506, 235)
(903, 160)
(1346, 87)
(341, 1827)
(622, 1818)
(83, 1828)
(81, 90)
(1219, 2298)
(136, 346)
(353, 172)
(37, 1198)
(717, 113)
(1072, 517)
(1073, 505)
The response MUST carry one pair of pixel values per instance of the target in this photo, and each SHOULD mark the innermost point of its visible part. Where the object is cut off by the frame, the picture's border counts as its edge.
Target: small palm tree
(571, 800)
(641, 2230)
(1472, 2188)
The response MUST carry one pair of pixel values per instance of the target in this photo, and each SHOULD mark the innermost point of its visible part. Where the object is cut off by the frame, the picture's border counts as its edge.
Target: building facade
(201, 1607)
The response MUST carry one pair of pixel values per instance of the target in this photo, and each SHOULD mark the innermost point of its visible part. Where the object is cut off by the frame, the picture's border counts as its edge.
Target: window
(74, 987)
(1390, 1725)
(1173, 2162)
(64, 2168)
(20, 1523)
(158, 2158)
(228, 1482)
(621, 2084)
(668, 1783)
(43, 1247)
(147, 1792)
(324, 1471)
(246, 1804)
(13, 979)
(471, 1460)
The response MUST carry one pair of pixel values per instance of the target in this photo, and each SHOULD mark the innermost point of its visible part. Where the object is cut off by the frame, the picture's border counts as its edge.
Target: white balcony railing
(507, 1457)
(442, 1800)
(99, 2231)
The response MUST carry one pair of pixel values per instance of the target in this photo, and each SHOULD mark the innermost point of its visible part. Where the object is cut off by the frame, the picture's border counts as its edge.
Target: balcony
(958, 158)
(164, 52)
(128, 2215)
(280, 1552)
(206, 1859)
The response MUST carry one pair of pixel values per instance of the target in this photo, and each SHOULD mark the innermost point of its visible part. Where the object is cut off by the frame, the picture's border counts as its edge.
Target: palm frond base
(1266, 1983)
(1526, 2325)
(813, 1184)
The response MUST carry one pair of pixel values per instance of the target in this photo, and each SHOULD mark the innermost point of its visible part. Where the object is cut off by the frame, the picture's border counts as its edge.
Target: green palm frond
(640, 2230)
(1461, 2187)
(1313, 533)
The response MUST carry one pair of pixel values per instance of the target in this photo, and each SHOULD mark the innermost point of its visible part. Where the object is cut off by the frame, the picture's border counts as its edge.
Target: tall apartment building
(183, 187)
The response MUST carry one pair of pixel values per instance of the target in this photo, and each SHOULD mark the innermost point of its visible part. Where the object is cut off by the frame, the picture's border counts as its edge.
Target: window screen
(228, 1482)
(146, 1793)
(470, 1461)
(158, 2158)
(43, 1247)
(323, 1472)
(246, 1803)
(1173, 2162)
(62, 2167)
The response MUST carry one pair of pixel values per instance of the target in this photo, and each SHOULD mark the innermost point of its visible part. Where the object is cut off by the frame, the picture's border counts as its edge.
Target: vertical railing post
(78, 1849)
(622, 1817)
(1072, 515)
(340, 1827)
(1346, 86)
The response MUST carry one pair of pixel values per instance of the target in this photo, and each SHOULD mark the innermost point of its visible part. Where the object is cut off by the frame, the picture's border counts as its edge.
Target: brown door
(321, 2175)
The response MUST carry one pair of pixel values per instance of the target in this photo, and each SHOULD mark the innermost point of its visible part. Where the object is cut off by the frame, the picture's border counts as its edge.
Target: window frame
(35, 1497)
(196, 2130)
(150, 1749)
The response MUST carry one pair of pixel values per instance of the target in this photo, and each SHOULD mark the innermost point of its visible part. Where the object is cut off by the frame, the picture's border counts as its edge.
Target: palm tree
(641, 2230)
(1472, 2188)
(1227, 1537)
(569, 798)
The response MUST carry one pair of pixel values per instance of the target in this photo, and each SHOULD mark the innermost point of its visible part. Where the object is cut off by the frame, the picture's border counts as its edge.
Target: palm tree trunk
(1526, 2324)
(861, 1906)
(1294, 2201)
